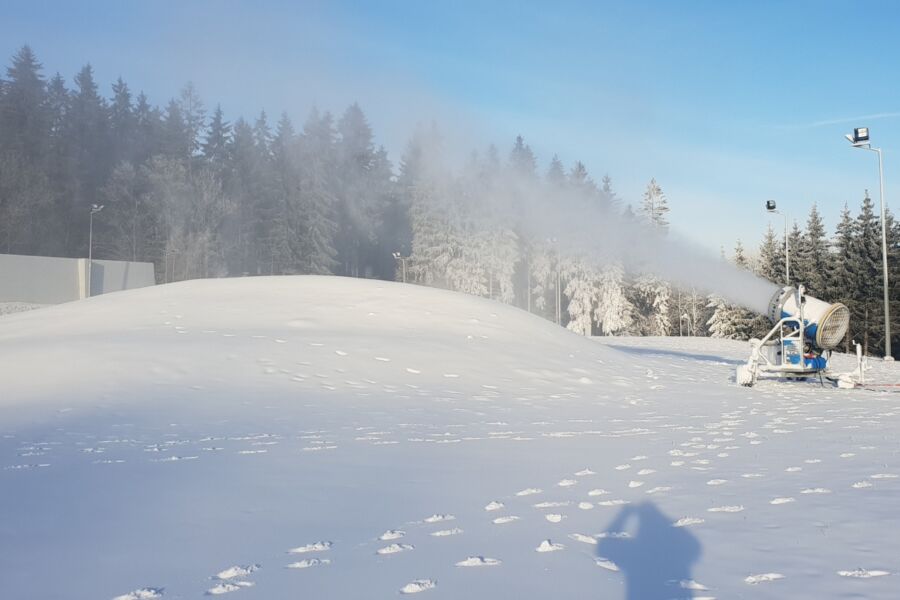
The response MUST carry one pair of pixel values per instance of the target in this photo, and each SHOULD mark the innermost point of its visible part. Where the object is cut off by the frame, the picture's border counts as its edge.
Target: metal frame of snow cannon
(796, 346)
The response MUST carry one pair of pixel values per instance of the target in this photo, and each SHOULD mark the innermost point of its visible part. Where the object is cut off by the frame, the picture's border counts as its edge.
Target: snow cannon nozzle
(824, 324)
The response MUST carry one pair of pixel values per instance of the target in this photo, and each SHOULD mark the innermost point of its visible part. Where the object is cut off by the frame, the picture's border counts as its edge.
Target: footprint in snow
(548, 546)
(567, 483)
(446, 532)
(529, 492)
(785, 500)
(585, 539)
(315, 547)
(494, 505)
(142, 594)
(235, 572)
(437, 518)
(413, 371)
(505, 520)
(228, 587)
(308, 563)
(686, 521)
(391, 534)
(395, 549)
(726, 509)
(478, 561)
(419, 585)
(863, 573)
(554, 518)
(585, 473)
(763, 578)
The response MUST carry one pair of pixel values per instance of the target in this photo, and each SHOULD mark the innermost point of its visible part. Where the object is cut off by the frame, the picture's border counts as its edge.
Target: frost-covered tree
(582, 291)
(655, 207)
(614, 312)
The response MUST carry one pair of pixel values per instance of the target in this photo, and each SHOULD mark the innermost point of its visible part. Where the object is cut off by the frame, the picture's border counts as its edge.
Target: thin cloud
(884, 115)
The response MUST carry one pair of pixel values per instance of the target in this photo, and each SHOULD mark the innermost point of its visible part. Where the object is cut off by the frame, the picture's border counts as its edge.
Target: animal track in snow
(585, 473)
(307, 563)
(478, 561)
(391, 534)
(419, 585)
(142, 594)
(315, 547)
(548, 546)
(762, 578)
(494, 505)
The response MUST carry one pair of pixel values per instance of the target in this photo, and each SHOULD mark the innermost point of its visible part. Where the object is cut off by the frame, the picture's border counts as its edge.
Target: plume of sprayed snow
(578, 223)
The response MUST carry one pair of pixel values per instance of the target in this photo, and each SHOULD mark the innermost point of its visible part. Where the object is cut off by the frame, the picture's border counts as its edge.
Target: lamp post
(402, 260)
(770, 206)
(860, 139)
(95, 208)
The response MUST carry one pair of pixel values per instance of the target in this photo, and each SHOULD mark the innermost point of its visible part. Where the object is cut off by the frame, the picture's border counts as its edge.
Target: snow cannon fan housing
(824, 324)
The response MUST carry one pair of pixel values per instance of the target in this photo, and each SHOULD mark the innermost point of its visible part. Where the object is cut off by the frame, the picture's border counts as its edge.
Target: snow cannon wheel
(744, 376)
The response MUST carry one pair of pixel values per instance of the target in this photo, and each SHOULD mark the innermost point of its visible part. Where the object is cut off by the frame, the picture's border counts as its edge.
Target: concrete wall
(52, 280)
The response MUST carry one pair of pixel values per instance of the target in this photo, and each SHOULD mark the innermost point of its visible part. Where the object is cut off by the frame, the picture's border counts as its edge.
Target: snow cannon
(799, 345)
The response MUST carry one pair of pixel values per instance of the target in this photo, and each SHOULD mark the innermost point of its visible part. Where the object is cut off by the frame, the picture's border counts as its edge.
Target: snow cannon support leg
(746, 374)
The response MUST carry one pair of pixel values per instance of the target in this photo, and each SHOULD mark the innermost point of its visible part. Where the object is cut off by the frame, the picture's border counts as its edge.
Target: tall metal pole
(884, 259)
(787, 252)
(90, 253)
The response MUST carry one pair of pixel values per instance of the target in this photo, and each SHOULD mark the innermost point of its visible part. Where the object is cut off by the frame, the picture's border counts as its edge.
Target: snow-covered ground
(334, 438)
(8, 308)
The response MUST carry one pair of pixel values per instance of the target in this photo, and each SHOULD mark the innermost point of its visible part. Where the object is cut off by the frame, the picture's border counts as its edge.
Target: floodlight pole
(787, 245)
(864, 144)
(402, 260)
(95, 208)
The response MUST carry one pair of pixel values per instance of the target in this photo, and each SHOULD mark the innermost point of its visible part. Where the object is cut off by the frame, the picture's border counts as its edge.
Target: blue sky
(726, 104)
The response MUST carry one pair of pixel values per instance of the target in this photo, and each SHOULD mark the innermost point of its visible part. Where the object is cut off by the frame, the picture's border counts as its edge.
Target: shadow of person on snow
(654, 556)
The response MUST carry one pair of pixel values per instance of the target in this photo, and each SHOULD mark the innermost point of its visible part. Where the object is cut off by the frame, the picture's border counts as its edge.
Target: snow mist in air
(568, 221)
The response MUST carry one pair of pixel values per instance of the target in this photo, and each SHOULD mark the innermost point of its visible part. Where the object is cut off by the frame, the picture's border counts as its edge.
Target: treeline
(843, 267)
(196, 195)
(200, 196)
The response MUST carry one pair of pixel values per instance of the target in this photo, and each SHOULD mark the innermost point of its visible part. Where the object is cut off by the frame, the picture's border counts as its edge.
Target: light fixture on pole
(770, 206)
(95, 208)
(402, 260)
(860, 139)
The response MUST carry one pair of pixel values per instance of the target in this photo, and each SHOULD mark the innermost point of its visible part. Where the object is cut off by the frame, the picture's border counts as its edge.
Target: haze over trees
(201, 195)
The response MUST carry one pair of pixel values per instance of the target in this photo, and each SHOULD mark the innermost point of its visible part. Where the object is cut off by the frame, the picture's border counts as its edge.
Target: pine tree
(655, 206)
(218, 139)
(556, 173)
(522, 161)
(771, 261)
(814, 257)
